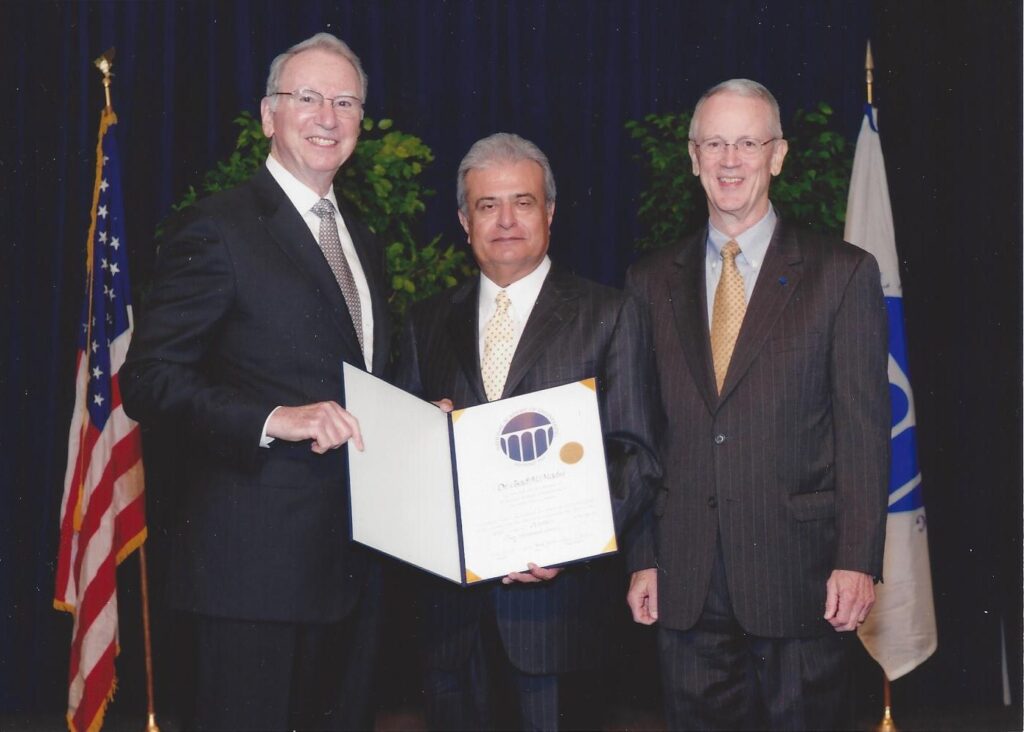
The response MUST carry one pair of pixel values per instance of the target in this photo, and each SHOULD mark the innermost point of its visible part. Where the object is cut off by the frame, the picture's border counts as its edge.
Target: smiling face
(507, 219)
(736, 187)
(312, 145)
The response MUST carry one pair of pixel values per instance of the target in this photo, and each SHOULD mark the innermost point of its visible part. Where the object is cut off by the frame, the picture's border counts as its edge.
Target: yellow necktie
(499, 336)
(727, 316)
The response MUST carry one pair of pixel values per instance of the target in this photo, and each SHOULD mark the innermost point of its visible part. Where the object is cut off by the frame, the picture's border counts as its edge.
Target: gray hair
(503, 147)
(743, 88)
(323, 42)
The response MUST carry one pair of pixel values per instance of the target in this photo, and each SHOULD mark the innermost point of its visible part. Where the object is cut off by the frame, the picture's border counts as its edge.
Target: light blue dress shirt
(753, 246)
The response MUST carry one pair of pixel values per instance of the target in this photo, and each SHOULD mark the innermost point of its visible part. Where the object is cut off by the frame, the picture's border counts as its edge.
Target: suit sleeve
(862, 421)
(629, 398)
(638, 538)
(166, 377)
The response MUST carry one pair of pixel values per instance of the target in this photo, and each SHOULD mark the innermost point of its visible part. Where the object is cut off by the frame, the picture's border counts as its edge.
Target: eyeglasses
(307, 100)
(746, 147)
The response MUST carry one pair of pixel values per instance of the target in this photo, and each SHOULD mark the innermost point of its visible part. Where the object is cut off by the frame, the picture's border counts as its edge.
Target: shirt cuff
(264, 440)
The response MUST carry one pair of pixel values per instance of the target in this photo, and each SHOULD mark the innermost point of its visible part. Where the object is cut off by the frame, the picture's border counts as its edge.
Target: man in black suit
(531, 633)
(261, 293)
(767, 536)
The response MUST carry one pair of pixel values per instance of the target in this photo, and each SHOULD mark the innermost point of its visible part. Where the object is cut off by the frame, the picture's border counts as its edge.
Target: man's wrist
(264, 440)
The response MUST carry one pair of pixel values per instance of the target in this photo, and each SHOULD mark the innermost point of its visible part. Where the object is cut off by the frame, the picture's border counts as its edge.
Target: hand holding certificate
(484, 491)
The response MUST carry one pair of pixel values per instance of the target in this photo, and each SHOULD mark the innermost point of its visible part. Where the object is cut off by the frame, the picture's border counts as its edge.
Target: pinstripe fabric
(715, 676)
(790, 464)
(720, 696)
(577, 329)
(488, 692)
(768, 486)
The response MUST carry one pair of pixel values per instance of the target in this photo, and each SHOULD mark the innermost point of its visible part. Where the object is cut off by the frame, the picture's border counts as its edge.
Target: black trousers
(718, 677)
(489, 693)
(286, 676)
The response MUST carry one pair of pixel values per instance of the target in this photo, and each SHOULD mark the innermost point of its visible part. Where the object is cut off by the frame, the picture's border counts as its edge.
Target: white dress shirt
(523, 295)
(304, 198)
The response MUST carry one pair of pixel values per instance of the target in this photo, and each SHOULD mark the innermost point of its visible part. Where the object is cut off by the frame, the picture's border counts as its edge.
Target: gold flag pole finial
(869, 69)
(104, 63)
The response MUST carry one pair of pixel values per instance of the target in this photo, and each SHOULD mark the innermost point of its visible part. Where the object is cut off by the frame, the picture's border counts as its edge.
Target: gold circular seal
(571, 452)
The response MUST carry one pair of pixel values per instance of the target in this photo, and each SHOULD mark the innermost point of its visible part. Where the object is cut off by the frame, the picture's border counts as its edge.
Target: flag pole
(104, 63)
(887, 724)
(869, 69)
(151, 725)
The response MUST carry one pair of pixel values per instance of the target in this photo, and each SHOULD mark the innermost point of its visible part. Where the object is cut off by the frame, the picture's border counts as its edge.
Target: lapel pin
(783, 281)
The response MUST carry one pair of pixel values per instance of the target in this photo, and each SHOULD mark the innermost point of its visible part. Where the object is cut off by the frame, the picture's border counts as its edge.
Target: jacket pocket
(813, 506)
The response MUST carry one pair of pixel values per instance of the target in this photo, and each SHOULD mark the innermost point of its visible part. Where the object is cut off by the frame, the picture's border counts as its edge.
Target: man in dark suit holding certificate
(526, 325)
(261, 293)
(771, 353)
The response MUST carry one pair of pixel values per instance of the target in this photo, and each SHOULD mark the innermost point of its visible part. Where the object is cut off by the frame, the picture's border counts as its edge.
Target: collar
(523, 292)
(753, 242)
(302, 196)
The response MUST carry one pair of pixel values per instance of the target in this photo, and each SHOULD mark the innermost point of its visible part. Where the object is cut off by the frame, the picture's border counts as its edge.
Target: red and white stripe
(103, 484)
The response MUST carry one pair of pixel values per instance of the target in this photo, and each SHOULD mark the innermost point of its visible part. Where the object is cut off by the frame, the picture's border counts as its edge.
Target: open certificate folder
(479, 493)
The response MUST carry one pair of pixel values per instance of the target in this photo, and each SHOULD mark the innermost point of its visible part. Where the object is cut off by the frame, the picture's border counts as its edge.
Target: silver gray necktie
(330, 243)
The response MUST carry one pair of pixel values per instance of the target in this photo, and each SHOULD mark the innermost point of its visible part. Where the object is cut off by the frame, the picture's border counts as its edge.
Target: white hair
(323, 42)
(743, 88)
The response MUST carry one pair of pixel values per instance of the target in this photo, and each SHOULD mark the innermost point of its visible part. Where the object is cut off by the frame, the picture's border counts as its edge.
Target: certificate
(479, 493)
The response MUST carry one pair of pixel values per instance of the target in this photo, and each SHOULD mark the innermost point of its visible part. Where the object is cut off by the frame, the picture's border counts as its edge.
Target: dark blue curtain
(567, 75)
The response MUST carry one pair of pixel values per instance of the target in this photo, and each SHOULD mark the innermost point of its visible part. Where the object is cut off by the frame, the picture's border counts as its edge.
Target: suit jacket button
(712, 502)
(719, 439)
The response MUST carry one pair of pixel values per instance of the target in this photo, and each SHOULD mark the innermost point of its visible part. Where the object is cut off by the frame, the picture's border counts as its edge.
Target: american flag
(102, 516)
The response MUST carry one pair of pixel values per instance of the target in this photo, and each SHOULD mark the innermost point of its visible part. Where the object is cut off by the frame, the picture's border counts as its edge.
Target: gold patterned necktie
(330, 243)
(727, 316)
(499, 337)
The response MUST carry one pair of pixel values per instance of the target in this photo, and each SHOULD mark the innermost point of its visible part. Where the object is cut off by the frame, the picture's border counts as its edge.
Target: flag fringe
(97, 721)
(132, 544)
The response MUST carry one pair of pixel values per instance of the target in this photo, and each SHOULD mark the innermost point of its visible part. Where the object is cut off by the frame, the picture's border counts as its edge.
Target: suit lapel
(687, 293)
(780, 275)
(555, 308)
(464, 334)
(289, 231)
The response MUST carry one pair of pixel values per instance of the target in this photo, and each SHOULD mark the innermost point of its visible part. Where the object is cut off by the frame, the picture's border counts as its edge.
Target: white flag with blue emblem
(900, 631)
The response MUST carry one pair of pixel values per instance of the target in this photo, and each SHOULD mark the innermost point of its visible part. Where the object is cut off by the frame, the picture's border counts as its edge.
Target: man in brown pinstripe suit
(766, 539)
(530, 636)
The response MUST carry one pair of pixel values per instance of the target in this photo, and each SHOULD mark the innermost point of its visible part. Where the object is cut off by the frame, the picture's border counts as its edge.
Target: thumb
(831, 599)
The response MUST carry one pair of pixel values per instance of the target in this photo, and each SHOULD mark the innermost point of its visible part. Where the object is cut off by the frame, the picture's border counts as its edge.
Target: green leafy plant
(381, 181)
(815, 179)
(810, 191)
(671, 203)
